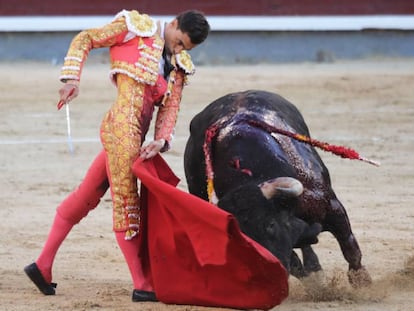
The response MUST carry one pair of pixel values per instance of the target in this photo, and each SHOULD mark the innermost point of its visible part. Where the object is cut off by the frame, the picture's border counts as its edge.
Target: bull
(277, 187)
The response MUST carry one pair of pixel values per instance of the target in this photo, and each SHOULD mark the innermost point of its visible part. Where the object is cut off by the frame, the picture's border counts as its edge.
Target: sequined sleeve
(168, 113)
(87, 40)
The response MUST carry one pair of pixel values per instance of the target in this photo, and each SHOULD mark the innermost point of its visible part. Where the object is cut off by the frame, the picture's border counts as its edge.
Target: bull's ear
(281, 186)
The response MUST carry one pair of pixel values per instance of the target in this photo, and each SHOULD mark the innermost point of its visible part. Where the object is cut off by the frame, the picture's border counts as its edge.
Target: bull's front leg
(310, 260)
(296, 266)
(337, 222)
(310, 263)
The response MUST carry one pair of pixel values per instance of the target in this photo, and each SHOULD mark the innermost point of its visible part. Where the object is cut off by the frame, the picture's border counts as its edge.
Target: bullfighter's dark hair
(194, 24)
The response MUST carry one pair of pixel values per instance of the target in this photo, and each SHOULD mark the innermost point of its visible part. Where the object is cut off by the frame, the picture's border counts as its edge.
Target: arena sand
(366, 105)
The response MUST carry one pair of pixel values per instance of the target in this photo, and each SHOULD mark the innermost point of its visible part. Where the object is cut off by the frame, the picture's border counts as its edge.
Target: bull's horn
(281, 186)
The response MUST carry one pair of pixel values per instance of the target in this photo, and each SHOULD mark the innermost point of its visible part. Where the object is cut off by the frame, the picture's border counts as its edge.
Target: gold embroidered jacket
(136, 50)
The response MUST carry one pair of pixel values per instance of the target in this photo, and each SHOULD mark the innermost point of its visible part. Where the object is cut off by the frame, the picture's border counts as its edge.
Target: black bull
(231, 143)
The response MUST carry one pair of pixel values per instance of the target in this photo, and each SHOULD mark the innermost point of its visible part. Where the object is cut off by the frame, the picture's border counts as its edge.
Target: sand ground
(367, 105)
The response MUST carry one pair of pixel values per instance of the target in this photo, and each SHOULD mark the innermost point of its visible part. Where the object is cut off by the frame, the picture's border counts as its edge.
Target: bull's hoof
(359, 278)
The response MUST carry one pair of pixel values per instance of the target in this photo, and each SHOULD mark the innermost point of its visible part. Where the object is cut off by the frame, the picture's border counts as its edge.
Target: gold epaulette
(184, 62)
(140, 24)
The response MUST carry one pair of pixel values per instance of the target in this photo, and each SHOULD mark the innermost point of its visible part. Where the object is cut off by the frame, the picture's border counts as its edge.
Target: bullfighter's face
(176, 40)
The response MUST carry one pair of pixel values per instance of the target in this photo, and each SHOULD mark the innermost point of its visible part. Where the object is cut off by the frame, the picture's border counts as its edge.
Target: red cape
(197, 254)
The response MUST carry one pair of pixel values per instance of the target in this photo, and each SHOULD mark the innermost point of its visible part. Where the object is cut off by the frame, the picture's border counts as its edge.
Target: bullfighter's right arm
(87, 40)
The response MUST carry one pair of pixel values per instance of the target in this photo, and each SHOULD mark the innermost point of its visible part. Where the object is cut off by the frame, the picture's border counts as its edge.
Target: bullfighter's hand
(152, 149)
(68, 91)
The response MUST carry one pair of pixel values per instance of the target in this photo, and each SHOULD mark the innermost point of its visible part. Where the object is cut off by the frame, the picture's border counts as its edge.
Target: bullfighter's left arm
(168, 112)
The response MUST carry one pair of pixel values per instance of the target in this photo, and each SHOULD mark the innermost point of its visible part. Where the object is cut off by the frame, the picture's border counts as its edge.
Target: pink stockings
(59, 230)
(76, 206)
(131, 251)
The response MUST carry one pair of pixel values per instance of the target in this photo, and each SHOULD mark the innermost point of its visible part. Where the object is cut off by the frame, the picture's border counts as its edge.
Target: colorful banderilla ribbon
(342, 151)
(212, 131)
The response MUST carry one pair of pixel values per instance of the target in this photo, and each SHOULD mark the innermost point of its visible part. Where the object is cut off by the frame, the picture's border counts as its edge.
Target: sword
(69, 137)
(70, 142)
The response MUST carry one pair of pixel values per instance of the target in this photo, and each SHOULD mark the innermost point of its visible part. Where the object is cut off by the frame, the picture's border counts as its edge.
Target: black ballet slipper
(36, 276)
(142, 295)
